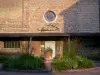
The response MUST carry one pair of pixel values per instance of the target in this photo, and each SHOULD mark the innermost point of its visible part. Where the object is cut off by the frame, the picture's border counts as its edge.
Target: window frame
(46, 15)
(11, 44)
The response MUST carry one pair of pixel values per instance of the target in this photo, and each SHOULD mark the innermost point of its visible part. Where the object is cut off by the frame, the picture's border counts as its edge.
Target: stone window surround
(47, 20)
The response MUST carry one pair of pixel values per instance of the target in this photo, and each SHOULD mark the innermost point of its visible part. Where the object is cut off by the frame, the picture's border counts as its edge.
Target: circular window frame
(46, 19)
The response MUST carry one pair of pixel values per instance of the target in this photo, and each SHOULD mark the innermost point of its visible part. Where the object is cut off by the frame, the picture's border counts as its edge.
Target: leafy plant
(3, 59)
(25, 62)
(84, 62)
(71, 47)
(65, 63)
(48, 49)
(70, 60)
(60, 65)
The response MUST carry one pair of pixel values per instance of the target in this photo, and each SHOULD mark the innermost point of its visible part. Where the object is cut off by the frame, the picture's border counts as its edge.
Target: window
(49, 16)
(11, 44)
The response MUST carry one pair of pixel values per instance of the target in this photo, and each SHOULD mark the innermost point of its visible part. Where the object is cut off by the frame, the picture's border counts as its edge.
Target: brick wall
(27, 15)
(88, 16)
(82, 17)
(36, 48)
(24, 47)
(10, 16)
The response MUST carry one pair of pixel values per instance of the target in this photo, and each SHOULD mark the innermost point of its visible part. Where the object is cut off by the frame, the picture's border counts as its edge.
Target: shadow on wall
(99, 15)
(70, 17)
(90, 47)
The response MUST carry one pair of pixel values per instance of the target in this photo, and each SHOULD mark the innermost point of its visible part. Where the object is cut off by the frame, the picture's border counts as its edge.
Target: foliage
(60, 64)
(84, 62)
(25, 62)
(70, 60)
(3, 59)
(65, 63)
(48, 49)
(74, 46)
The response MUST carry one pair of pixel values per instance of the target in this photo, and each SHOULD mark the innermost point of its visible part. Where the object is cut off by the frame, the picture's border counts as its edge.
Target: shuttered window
(11, 44)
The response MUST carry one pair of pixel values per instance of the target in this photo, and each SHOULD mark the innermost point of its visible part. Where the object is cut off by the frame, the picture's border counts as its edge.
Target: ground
(94, 71)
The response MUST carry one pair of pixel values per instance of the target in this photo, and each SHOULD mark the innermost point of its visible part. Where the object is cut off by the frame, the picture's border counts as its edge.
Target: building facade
(29, 26)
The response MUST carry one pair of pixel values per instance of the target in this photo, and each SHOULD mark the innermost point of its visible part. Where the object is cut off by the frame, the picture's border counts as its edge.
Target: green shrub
(3, 59)
(84, 62)
(65, 63)
(60, 65)
(25, 62)
(71, 47)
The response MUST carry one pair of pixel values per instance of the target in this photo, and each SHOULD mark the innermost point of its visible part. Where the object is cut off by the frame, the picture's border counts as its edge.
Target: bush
(66, 63)
(25, 62)
(84, 62)
(63, 64)
(60, 65)
(3, 59)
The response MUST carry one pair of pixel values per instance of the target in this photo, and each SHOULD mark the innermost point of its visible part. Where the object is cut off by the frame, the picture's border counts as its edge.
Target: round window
(49, 16)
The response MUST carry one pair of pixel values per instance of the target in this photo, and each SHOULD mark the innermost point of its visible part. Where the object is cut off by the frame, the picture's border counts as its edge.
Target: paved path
(23, 73)
(95, 71)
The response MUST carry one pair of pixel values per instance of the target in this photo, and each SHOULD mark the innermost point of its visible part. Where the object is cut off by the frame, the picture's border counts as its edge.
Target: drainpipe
(30, 46)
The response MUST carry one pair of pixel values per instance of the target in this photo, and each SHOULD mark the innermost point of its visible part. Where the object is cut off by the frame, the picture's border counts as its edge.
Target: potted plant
(48, 53)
